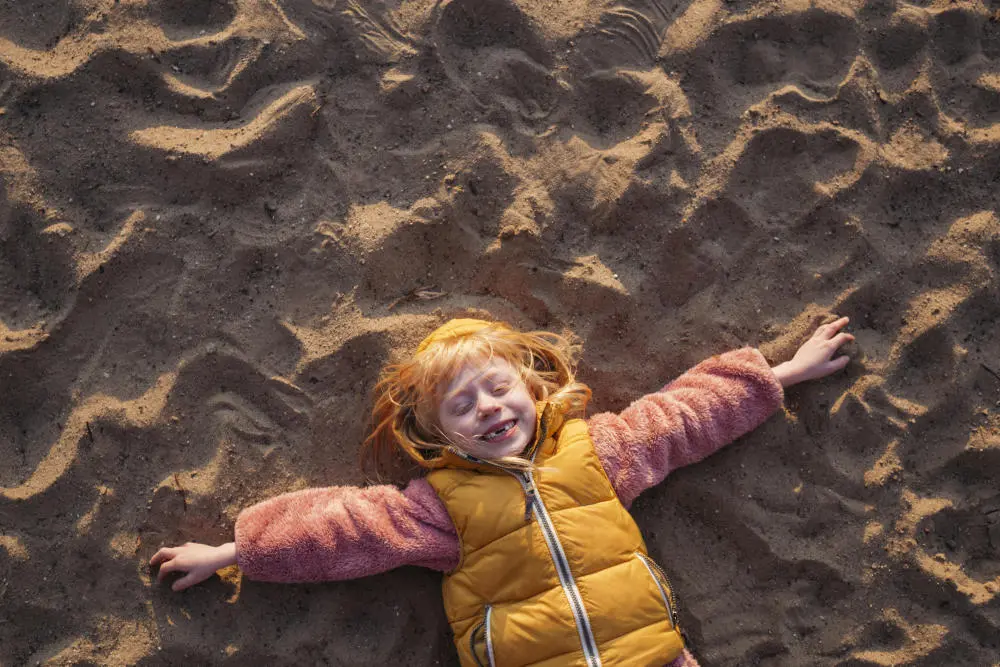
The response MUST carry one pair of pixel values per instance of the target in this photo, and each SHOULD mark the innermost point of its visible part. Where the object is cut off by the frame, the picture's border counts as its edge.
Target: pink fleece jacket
(338, 533)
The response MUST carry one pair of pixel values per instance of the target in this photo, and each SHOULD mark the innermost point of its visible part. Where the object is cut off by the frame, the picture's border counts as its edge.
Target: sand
(220, 218)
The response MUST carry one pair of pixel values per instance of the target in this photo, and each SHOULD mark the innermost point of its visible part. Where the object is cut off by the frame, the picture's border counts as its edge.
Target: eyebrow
(488, 375)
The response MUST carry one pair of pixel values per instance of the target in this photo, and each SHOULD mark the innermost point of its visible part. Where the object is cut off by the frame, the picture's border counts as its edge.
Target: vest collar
(548, 420)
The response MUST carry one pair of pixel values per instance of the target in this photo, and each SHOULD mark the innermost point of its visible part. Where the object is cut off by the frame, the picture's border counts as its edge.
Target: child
(524, 507)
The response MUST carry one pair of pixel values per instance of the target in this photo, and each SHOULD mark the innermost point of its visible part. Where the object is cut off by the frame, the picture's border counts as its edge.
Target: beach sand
(220, 218)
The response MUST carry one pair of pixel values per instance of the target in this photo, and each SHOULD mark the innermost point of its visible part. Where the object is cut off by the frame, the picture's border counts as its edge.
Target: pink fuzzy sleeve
(345, 532)
(708, 407)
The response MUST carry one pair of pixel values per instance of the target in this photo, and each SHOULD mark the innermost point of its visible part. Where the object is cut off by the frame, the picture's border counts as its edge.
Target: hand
(199, 561)
(815, 358)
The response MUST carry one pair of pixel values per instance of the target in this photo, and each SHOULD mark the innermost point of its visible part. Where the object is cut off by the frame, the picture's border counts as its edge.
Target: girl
(524, 505)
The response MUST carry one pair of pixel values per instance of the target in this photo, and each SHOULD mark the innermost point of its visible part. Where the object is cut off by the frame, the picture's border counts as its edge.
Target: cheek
(527, 401)
(447, 422)
(453, 425)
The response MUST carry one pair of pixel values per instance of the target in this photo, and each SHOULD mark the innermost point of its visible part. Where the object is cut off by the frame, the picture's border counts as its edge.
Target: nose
(488, 406)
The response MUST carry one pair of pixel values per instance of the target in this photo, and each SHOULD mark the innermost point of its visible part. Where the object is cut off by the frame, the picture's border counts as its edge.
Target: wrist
(226, 555)
(787, 374)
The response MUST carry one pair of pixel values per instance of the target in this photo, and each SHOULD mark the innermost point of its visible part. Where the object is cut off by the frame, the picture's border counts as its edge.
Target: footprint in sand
(628, 35)
(908, 424)
(782, 173)
(896, 42)
(491, 50)
(612, 106)
(965, 76)
(811, 48)
(899, 42)
(38, 25)
(185, 19)
(210, 65)
(747, 57)
(616, 76)
(213, 73)
(37, 268)
(955, 35)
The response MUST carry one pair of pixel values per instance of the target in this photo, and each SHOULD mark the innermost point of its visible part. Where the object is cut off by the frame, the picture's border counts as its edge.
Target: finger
(188, 580)
(166, 553)
(841, 339)
(830, 328)
(166, 569)
(822, 331)
(839, 363)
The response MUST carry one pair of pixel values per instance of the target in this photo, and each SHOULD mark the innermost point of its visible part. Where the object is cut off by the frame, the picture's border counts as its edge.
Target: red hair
(404, 415)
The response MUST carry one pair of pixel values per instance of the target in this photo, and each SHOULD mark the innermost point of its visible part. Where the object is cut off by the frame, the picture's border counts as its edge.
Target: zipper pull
(529, 503)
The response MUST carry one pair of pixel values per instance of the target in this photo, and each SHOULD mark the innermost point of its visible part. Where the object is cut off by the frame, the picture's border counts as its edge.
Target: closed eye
(501, 389)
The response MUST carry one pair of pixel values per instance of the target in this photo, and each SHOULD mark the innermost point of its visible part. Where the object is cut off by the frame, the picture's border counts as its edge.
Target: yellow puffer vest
(553, 569)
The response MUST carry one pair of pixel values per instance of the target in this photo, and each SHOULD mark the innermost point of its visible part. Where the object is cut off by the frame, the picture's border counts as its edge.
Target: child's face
(487, 411)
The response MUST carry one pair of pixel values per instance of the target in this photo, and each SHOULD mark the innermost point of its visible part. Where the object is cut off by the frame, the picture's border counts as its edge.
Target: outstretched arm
(703, 410)
(342, 532)
(708, 407)
(327, 534)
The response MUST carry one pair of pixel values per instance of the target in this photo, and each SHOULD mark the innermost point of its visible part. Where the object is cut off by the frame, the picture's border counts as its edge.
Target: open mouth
(501, 432)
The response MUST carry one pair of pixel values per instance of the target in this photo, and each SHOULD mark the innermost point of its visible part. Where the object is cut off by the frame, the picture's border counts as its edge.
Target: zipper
(472, 643)
(489, 635)
(668, 594)
(529, 502)
(486, 627)
(534, 501)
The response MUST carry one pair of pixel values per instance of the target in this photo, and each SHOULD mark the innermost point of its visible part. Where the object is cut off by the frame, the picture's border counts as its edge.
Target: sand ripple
(219, 219)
